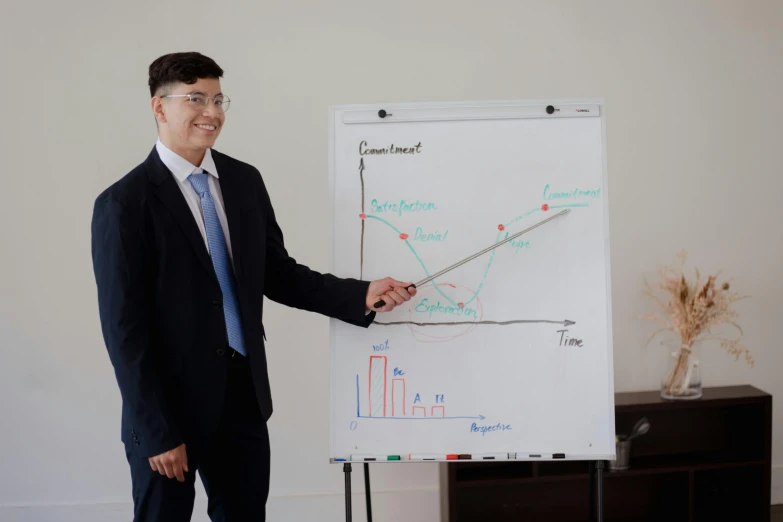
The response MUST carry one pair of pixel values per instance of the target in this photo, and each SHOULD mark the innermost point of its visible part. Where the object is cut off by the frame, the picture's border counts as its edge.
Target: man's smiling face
(185, 126)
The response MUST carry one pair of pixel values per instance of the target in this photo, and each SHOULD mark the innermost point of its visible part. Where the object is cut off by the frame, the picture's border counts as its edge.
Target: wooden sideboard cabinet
(706, 460)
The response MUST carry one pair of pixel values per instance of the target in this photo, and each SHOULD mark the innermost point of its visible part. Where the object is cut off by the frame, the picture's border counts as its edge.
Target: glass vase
(681, 379)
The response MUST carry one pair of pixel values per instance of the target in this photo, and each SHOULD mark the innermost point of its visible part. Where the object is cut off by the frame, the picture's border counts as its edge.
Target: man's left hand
(391, 291)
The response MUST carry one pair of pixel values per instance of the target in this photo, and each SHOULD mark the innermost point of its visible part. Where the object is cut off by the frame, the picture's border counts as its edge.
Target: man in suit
(184, 248)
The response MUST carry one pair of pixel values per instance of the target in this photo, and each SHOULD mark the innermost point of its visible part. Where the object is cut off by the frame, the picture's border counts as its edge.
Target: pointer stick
(380, 303)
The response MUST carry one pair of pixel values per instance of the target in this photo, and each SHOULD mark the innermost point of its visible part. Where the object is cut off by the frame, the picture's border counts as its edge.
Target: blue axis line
(491, 257)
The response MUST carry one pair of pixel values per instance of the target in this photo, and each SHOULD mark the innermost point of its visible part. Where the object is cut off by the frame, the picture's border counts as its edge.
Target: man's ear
(158, 109)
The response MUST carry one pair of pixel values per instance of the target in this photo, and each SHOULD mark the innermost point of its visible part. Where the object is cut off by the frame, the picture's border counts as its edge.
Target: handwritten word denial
(391, 149)
(420, 235)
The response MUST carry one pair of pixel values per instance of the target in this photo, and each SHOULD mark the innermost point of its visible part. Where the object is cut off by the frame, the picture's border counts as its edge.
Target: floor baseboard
(411, 506)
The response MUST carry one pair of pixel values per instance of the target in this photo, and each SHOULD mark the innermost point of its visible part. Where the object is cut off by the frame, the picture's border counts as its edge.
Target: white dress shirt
(181, 168)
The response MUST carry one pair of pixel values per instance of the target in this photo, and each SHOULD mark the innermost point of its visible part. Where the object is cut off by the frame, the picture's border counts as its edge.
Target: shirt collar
(182, 168)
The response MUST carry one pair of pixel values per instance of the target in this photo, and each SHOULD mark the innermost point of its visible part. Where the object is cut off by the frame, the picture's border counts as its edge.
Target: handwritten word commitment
(402, 206)
(571, 194)
(425, 308)
(474, 428)
(364, 150)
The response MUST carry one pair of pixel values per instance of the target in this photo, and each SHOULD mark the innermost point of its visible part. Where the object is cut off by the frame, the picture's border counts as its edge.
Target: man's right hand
(172, 464)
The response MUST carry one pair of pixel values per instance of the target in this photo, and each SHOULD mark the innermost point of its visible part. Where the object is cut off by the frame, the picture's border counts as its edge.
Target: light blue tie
(222, 263)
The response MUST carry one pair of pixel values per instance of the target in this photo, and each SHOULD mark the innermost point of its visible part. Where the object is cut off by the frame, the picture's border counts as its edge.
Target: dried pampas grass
(692, 309)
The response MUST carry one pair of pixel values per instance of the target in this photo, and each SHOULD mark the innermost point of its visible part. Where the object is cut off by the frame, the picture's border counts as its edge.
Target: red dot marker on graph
(501, 228)
(363, 216)
(461, 305)
(544, 207)
(403, 236)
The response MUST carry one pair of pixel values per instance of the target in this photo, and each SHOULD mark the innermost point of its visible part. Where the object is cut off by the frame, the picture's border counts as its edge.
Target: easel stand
(595, 471)
(348, 513)
(596, 468)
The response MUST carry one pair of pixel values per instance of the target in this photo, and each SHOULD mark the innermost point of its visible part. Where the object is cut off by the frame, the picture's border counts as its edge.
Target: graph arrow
(361, 246)
(565, 322)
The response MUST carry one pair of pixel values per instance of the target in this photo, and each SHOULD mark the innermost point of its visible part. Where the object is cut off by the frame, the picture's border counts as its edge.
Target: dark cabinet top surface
(628, 401)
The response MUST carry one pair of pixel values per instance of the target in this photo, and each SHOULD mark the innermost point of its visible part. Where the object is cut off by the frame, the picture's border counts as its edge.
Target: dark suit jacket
(161, 305)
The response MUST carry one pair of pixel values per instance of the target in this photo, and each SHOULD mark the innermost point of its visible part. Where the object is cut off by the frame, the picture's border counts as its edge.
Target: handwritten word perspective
(474, 428)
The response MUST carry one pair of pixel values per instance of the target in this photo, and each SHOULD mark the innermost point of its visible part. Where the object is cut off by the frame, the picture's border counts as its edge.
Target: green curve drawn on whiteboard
(491, 257)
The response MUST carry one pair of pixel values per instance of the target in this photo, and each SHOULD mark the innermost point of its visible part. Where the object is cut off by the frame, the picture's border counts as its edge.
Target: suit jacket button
(216, 304)
(220, 351)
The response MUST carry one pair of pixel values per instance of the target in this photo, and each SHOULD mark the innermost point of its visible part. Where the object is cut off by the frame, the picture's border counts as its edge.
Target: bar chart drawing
(377, 386)
(386, 403)
(398, 397)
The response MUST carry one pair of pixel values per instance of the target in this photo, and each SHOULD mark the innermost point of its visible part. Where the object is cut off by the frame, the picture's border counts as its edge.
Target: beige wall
(692, 91)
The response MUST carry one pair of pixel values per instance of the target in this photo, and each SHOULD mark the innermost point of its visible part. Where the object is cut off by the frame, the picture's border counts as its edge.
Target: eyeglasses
(199, 100)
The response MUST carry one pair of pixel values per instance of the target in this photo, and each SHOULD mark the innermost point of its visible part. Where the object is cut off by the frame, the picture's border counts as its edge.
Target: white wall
(694, 139)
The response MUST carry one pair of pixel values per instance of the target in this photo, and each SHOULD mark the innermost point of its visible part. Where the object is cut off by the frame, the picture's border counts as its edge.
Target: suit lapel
(171, 196)
(232, 202)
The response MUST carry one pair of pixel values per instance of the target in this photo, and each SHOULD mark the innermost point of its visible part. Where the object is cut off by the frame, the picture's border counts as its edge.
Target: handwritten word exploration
(425, 308)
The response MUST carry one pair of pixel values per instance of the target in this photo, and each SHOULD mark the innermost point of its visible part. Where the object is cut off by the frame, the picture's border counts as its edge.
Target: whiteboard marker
(367, 458)
(426, 456)
(534, 455)
(490, 456)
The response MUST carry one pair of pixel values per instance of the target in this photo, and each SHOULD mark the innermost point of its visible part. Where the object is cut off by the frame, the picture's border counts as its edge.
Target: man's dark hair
(181, 67)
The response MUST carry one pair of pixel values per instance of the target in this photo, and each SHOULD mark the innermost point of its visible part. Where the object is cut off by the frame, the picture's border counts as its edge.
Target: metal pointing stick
(381, 303)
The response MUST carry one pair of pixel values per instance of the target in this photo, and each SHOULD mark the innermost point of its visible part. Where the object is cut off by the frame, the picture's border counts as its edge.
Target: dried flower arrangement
(691, 310)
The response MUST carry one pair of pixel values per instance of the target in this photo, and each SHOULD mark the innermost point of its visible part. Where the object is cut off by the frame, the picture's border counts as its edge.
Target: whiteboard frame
(475, 110)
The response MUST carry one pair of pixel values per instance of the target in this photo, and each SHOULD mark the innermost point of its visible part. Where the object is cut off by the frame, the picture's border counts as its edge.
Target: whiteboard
(508, 356)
